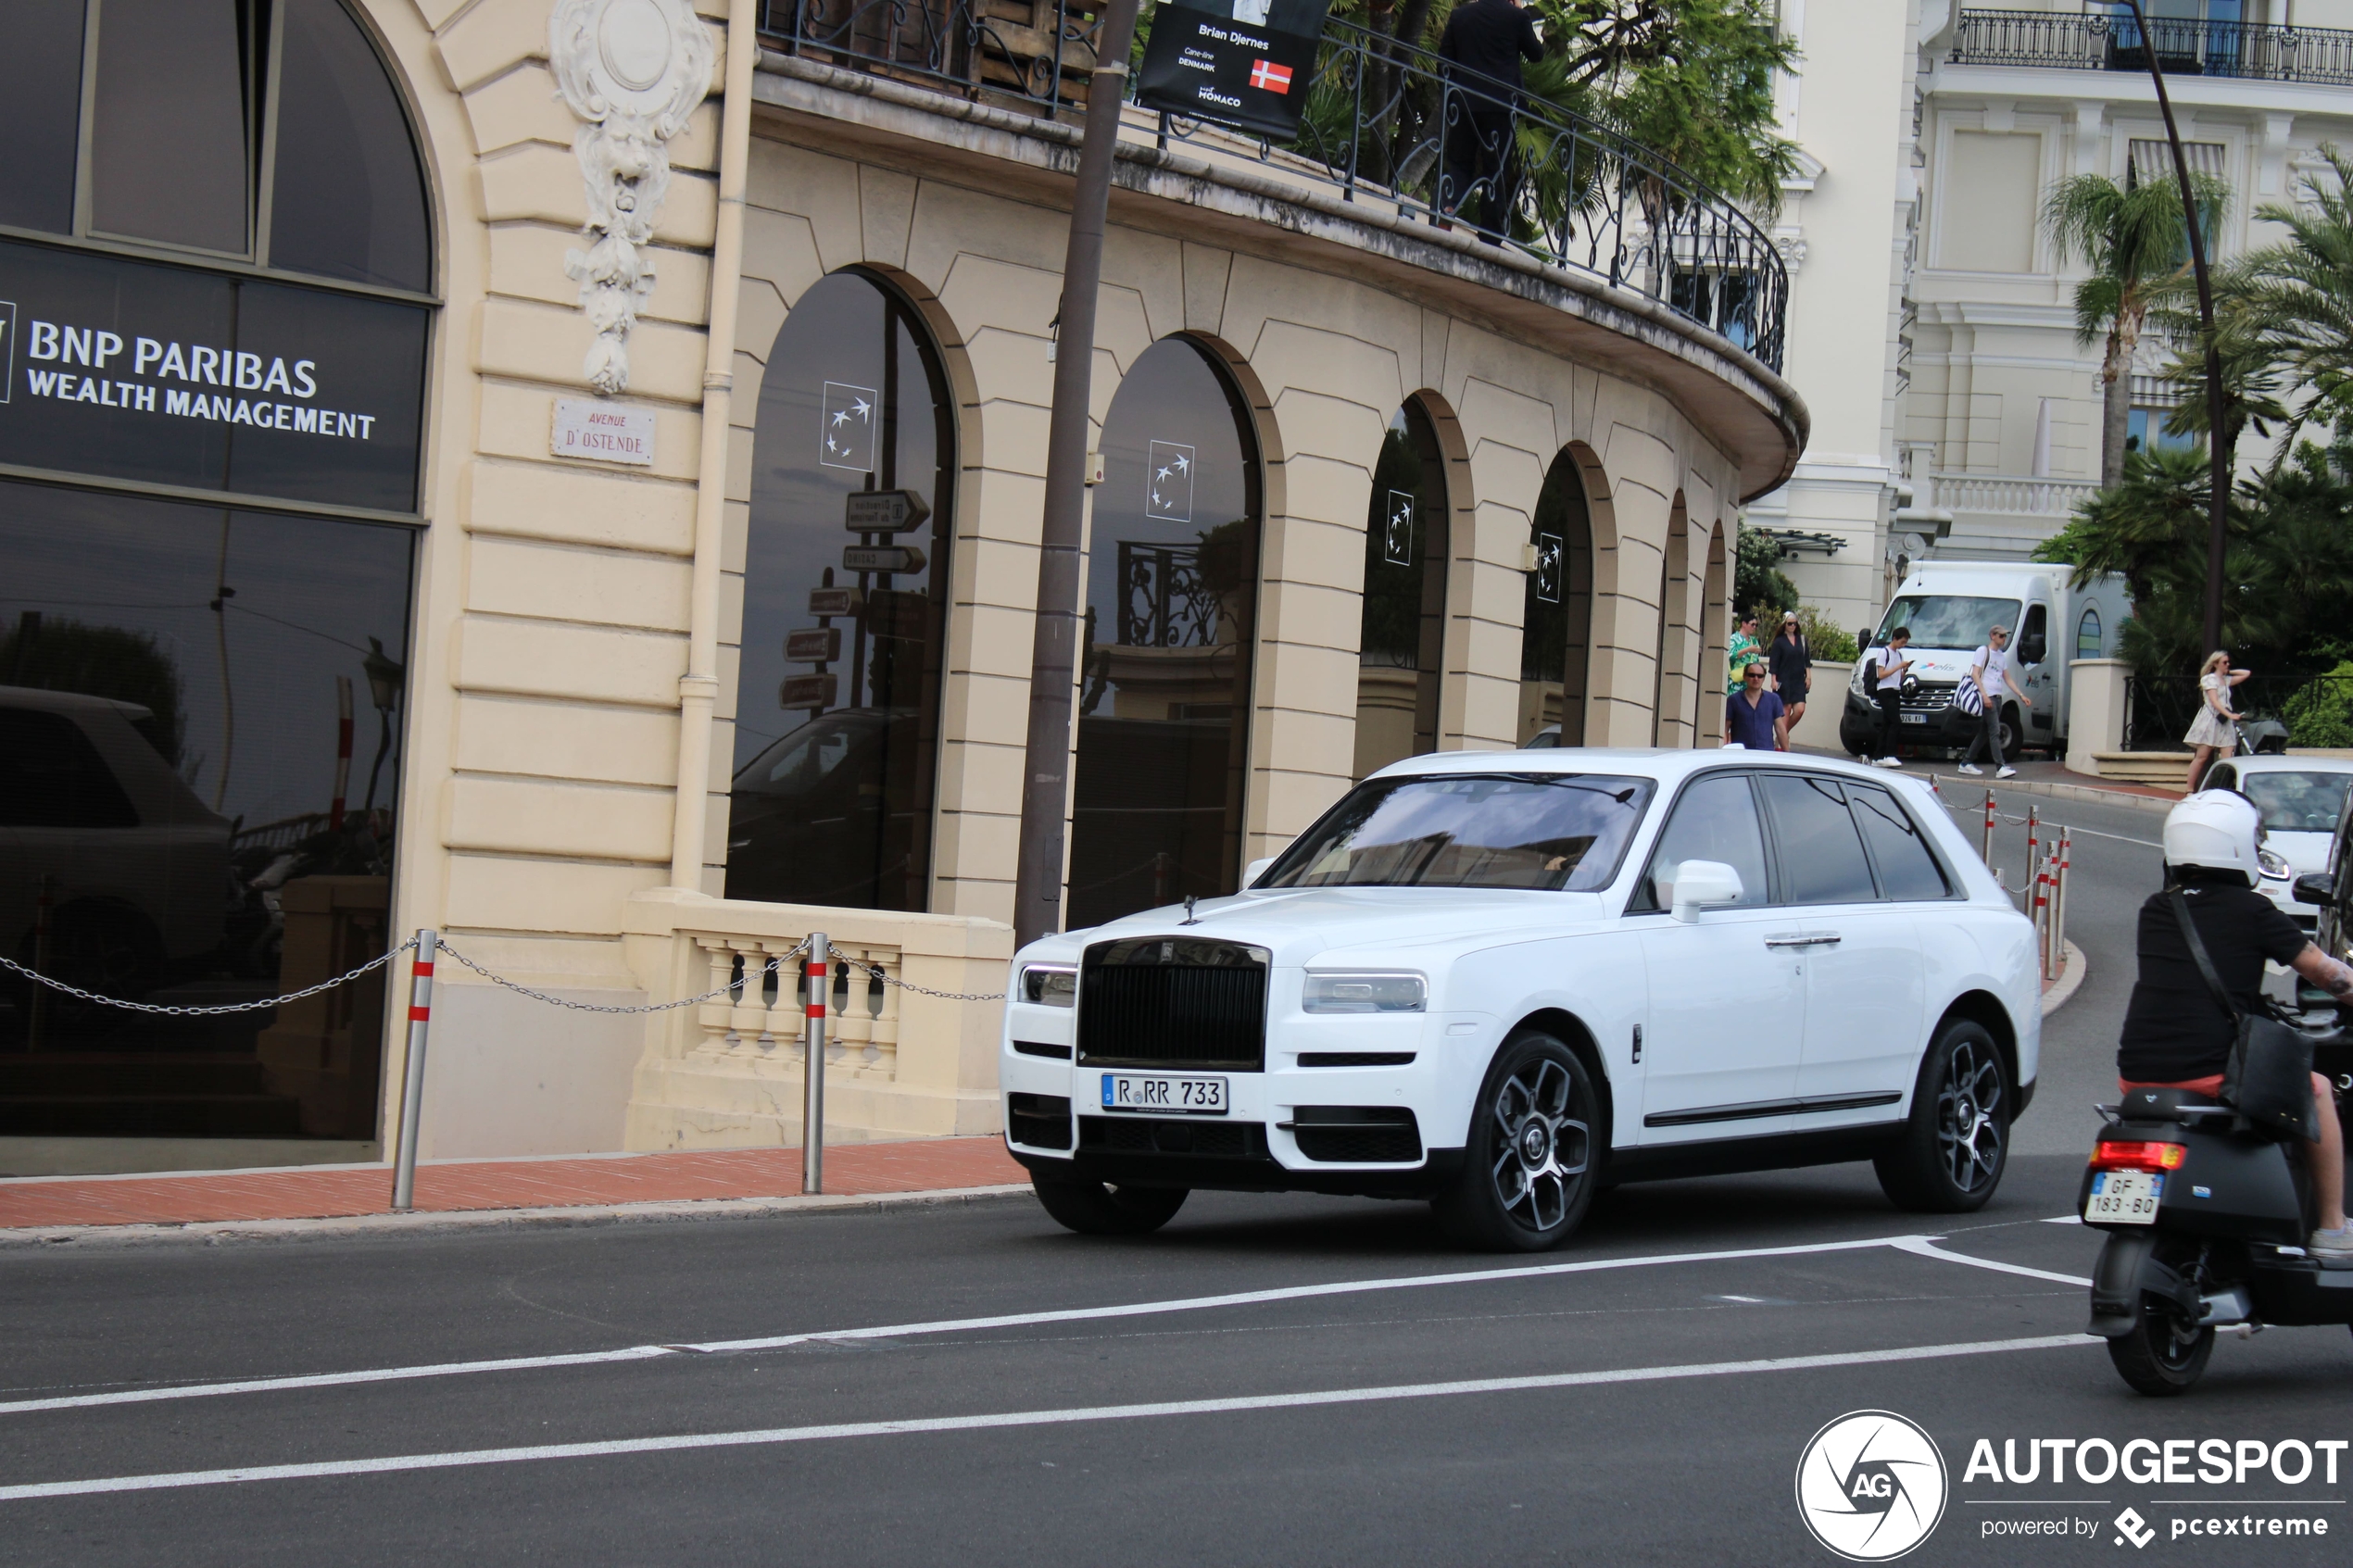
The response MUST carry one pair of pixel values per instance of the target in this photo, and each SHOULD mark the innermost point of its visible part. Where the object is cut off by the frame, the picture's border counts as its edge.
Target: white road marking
(1926, 1248)
(1915, 1244)
(1017, 1418)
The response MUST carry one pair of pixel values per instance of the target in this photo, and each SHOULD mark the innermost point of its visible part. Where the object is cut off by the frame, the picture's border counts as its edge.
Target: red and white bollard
(818, 979)
(412, 1093)
(1986, 852)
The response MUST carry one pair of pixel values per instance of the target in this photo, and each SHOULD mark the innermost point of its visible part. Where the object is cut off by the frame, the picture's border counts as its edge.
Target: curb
(2058, 792)
(2070, 981)
(212, 1231)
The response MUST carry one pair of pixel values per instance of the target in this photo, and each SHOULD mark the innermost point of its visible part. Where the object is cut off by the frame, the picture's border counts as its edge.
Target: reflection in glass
(1550, 831)
(346, 200)
(168, 140)
(1171, 596)
(181, 814)
(1404, 639)
(40, 114)
(1557, 615)
(838, 704)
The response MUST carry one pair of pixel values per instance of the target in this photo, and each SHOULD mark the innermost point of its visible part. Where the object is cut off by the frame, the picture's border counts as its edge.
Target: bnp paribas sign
(128, 370)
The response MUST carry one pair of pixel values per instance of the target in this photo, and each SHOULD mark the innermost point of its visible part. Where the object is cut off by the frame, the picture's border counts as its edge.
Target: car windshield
(2297, 802)
(1555, 831)
(1948, 620)
(802, 759)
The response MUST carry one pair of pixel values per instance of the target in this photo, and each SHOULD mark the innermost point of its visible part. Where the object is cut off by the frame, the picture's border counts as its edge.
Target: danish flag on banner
(1268, 77)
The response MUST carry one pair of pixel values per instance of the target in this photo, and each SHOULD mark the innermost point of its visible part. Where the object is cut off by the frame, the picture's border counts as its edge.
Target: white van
(1949, 607)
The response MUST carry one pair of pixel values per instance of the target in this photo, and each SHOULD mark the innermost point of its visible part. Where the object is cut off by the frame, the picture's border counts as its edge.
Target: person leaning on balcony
(2215, 731)
(1489, 37)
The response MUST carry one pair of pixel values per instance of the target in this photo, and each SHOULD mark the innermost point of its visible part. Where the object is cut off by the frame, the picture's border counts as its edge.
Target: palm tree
(2299, 292)
(2136, 244)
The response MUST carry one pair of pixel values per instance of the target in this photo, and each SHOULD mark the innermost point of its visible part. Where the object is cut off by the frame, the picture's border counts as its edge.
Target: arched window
(265, 131)
(1404, 637)
(2087, 633)
(845, 608)
(1171, 600)
(1671, 681)
(1557, 615)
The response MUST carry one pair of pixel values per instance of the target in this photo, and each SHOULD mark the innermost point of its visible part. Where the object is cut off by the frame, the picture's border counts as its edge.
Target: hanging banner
(1244, 63)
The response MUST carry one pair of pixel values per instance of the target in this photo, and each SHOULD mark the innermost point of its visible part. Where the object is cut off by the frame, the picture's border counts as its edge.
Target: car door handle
(1804, 939)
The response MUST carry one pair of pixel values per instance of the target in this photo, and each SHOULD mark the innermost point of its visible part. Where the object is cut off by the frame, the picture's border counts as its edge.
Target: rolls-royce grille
(1174, 1002)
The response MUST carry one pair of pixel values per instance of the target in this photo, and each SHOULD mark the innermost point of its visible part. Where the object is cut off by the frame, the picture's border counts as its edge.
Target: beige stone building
(649, 703)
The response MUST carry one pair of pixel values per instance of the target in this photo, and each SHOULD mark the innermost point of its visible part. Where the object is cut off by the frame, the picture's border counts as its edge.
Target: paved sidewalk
(454, 1186)
(2034, 777)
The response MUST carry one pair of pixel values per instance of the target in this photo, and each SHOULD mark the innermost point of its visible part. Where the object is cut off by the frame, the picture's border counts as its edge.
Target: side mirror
(1256, 869)
(1700, 884)
(2315, 887)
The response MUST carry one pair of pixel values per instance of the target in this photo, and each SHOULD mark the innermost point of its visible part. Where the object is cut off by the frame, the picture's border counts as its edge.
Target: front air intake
(1174, 1002)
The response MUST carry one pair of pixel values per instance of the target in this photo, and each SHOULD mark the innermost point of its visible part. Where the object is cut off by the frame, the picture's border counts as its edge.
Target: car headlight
(2273, 866)
(1049, 985)
(1366, 993)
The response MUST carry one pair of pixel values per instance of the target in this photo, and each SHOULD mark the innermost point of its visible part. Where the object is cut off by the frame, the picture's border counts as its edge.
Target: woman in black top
(1793, 664)
(2176, 1036)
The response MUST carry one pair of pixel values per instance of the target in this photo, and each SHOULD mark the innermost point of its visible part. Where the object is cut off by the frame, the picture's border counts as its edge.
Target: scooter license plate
(2124, 1198)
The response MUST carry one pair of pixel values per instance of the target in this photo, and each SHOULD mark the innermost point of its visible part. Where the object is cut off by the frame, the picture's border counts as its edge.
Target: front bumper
(1943, 727)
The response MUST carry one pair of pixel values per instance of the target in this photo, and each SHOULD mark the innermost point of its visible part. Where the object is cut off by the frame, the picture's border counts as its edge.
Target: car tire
(1099, 1208)
(1956, 1142)
(2161, 1356)
(1531, 1159)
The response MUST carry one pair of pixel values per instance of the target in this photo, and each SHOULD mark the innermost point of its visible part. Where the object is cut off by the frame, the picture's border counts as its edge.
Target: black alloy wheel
(1528, 1166)
(1956, 1142)
(1099, 1208)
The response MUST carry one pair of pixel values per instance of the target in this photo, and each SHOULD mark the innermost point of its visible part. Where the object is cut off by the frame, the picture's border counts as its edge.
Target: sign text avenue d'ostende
(1244, 63)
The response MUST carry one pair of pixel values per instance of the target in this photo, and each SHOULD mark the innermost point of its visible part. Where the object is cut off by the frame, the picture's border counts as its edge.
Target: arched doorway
(1171, 599)
(1402, 642)
(1557, 618)
(844, 606)
(1673, 677)
(1715, 636)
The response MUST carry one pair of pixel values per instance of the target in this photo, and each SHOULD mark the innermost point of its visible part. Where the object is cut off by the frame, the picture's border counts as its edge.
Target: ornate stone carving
(632, 70)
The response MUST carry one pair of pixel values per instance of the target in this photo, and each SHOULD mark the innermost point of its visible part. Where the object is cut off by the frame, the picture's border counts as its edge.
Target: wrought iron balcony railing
(2184, 45)
(1385, 123)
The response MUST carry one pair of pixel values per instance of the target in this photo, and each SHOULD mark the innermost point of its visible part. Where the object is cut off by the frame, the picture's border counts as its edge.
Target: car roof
(1668, 764)
(47, 701)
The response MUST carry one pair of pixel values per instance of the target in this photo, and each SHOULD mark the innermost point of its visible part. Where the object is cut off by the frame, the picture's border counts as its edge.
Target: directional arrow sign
(835, 601)
(806, 691)
(884, 511)
(817, 645)
(882, 557)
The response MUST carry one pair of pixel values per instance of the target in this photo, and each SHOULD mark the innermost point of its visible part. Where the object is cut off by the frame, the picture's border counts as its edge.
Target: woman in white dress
(2215, 731)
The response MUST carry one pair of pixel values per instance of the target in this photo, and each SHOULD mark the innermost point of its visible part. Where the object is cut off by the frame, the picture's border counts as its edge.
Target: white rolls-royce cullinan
(1502, 981)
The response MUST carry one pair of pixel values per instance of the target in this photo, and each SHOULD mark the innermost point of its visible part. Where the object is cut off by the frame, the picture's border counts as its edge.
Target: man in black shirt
(1490, 38)
(2176, 1034)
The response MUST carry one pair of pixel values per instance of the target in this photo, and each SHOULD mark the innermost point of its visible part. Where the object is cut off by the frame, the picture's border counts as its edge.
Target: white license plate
(2124, 1198)
(1179, 1096)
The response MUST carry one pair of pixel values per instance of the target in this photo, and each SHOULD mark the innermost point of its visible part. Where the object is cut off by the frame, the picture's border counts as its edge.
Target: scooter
(2206, 1220)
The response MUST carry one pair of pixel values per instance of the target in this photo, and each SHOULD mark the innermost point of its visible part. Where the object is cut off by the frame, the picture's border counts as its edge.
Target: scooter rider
(2175, 1035)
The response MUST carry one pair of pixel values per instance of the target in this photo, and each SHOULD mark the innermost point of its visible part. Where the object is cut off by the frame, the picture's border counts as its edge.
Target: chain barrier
(732, 987)
(889, 979)
(214, 1011)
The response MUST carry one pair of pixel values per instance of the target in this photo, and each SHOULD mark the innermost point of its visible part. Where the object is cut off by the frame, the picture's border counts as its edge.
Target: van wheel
(1956, 1141)
(1529, 1165)
(1097, 1209)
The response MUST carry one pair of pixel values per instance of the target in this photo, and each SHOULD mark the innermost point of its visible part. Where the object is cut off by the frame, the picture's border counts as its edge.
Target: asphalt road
(1284, 1379)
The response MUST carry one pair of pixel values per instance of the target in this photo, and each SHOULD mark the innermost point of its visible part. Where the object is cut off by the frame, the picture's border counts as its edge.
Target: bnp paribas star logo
(1870, 1485)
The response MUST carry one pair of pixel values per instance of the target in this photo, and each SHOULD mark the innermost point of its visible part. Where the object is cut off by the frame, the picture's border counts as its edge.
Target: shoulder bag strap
(2197, 950)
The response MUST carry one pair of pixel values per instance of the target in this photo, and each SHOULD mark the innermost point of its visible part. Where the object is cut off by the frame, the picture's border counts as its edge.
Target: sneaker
(1971, 768)
(2334, 1247)
(2007, 773)
(1890, 761)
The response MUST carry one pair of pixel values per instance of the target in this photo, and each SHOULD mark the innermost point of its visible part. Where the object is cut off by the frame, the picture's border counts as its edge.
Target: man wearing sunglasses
(1754, 717)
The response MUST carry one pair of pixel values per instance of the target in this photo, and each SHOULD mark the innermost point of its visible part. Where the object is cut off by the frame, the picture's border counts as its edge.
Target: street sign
(882, 557)
(835, 601)
(884, 511)
(816, 644)
(893, 613)
(806, 691)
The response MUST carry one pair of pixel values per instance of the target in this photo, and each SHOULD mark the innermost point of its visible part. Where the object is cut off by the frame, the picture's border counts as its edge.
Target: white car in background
(1501, 980)
(2302, 799)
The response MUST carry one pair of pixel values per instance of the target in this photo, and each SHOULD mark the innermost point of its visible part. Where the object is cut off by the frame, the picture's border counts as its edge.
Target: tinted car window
(1906, 870)
(1821, 854)
(1558, 830)
(51, 777)
(2294, 802)
(1716, 819)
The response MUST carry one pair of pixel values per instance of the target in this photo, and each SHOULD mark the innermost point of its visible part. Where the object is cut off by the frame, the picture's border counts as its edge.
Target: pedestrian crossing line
(546, 1452)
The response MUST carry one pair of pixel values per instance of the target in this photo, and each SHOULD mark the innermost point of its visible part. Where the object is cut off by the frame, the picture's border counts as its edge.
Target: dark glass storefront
(1557, 615)
(209, 456)
(1171, 599)
(1402, 645)
(845, 608)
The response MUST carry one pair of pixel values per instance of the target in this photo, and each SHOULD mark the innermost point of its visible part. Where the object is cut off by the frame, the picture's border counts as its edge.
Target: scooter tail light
(2138, 1156)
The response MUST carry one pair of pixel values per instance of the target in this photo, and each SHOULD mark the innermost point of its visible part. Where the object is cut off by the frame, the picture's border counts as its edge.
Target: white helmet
(2217, 828)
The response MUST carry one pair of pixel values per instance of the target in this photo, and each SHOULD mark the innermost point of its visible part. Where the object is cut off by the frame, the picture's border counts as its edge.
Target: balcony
(1378, 115)
(2184, 46)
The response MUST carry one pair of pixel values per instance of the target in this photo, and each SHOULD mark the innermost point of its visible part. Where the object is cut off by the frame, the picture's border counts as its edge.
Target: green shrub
(2322, 712)
(1829, 641)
